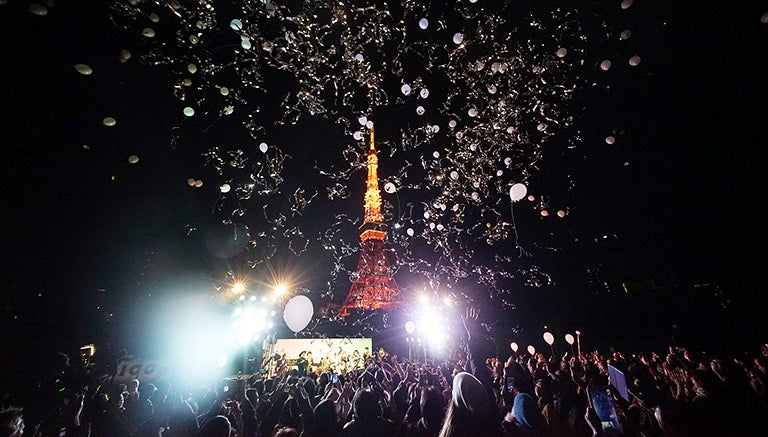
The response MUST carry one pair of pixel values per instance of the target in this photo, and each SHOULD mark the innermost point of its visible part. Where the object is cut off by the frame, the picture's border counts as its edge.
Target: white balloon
(83, 69)
(410, 232)
(420, 110)
(625, 34)
(605, 65)
(236, 24)
(424, 93)
(625, 4)
(423, 23)
(369, 125)
(561, 52)
(610, 139)
(263, 147)
(531, 349)
(405, 89)
(549, 338)
(390, 188)
(569, 338)
(362, 120)
(458, 38)
(513, 345)
(517, 192)
(634, 61)
(298, 313)
(357, 135)
(224, 188)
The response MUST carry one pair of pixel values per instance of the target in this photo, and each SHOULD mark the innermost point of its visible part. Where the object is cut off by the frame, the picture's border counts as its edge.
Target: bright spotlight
(222, 361)
(238, 288)
(447, 301)
(280, 290)
(424, 299)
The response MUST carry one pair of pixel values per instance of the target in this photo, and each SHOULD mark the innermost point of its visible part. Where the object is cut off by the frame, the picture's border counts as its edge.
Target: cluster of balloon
(298, 313)
(488, 93)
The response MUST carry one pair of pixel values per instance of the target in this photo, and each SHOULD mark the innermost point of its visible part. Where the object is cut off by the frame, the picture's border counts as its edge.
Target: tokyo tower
(373, 287)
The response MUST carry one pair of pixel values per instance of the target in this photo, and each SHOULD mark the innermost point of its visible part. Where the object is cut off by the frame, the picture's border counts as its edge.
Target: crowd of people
(680, 392)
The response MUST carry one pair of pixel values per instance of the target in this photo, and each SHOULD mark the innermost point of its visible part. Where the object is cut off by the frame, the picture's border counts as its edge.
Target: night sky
(98, 247)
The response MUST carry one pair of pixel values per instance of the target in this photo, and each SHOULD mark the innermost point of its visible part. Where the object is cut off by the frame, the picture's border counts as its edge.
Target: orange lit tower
(374, 286)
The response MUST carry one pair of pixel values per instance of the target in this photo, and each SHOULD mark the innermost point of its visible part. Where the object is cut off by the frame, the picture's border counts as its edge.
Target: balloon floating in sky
(224, 188)
(38, 9)
(423, 23)
(133, 159)
(605, 65)
(148, 32)
(561, 52)
(390, 188)
(634, 61)
(625, 34)
(298, 313)
(458, 38)
(263, 147)
(517, 192)
(125, 55)
(83, 69)
(625, 4)
(569, 338)
(109, 121)
(610, 139)
(514, 346)
(188, 111)
(531, 349)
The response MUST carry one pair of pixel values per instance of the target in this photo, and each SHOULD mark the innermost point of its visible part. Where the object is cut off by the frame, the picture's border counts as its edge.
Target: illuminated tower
(374, 286)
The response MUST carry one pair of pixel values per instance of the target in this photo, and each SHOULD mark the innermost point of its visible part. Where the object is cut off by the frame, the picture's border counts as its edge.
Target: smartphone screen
(618, 381)
(335, 378)
(510, 383)
(602, 403)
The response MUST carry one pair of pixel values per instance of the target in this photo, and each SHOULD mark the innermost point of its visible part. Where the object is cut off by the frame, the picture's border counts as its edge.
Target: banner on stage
(145, 370)
(320, 347)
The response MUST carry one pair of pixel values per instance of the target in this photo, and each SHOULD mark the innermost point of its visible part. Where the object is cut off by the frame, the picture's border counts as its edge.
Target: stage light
(252, 298)
(410, 327)
(424, 299)
(447, 301)
(280, 290)
(238, 288)
(222, 361)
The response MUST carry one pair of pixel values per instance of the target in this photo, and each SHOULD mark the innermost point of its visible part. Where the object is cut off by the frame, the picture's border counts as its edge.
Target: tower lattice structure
(373, 287)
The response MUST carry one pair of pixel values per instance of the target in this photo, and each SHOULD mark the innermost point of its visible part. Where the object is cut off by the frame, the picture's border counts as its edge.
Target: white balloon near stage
(517, 192)
(298, 313)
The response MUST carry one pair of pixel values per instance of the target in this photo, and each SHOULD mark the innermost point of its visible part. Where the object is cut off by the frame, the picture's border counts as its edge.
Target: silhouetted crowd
(676, 393)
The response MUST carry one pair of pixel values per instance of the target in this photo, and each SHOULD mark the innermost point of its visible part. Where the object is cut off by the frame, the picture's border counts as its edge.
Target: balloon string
(514, 229)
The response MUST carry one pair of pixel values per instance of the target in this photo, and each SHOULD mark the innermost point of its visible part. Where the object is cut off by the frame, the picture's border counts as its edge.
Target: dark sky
(85, 233)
